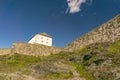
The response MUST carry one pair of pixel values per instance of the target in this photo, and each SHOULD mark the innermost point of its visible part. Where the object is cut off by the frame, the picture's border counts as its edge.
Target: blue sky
(64, 20)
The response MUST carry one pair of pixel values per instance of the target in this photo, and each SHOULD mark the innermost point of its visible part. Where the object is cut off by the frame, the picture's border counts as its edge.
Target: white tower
(42, 38)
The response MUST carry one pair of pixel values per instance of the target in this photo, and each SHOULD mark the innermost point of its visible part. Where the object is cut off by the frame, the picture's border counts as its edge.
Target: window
(47, 42)
(42, 41)
(41, 37)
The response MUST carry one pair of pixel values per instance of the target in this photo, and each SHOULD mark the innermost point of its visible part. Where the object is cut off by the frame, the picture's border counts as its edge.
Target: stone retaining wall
(5, 51)
(34, 49)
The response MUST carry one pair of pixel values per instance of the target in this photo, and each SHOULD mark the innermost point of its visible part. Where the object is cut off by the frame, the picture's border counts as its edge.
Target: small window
(41, 37)
(47, 42)
(42, 41)
(47, 39)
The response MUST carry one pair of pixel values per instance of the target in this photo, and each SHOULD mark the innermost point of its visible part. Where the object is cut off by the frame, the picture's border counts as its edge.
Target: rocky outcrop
(109, 31)
(34, 49)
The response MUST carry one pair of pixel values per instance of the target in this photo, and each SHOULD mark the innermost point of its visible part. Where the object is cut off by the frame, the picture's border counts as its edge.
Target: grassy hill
(98, 61)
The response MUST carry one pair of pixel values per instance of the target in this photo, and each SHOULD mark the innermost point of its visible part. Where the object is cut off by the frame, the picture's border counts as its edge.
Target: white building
(42, 38)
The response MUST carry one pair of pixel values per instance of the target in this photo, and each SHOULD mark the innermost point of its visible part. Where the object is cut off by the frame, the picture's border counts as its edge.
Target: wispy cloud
(75, 5)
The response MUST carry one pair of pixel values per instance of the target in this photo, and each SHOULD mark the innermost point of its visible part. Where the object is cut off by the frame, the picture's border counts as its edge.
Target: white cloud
(75, 5)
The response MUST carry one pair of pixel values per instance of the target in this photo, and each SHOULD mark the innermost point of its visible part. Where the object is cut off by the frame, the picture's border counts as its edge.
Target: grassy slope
(99, 61)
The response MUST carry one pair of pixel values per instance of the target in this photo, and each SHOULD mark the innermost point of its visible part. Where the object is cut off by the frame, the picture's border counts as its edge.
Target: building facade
(42, 38)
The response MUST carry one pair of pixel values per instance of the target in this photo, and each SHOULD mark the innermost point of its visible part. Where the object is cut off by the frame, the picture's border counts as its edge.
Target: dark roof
(45, 34)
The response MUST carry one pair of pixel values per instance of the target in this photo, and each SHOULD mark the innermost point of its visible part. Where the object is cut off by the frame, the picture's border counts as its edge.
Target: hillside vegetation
(98, 61)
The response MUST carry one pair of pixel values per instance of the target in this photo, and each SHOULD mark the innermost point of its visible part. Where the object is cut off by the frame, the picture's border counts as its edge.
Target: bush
(87, 57)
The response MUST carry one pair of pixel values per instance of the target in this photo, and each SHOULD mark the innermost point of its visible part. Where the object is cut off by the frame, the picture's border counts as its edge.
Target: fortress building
(42, 38)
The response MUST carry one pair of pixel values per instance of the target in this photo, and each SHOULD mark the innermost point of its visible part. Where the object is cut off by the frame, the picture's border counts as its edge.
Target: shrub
(87, 57)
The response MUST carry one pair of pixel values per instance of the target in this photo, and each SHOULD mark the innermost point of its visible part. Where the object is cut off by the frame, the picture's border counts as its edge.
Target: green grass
(56, 75)
(115, 48)
(12, 63)
(81, 70)
(87, 61)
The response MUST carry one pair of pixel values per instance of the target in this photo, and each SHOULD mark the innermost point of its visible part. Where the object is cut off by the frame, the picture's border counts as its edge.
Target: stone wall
(34, 49)
(5, 51)
(109, 31)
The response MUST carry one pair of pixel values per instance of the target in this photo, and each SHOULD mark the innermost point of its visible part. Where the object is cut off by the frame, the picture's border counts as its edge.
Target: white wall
(41, 40)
